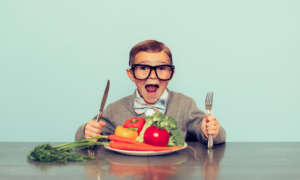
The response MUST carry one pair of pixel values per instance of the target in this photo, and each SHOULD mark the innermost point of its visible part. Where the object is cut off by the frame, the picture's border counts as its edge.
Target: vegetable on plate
(140, 147)
(126, 132)
(156, 136)
(154, 133)
(135, 123)
(123, 143)
(163, 122)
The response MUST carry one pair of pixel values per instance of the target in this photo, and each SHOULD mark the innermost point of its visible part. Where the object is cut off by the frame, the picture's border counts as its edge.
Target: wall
(57, 55)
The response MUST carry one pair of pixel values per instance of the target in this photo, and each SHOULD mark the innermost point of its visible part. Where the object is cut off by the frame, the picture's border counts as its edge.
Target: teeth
(151, 85)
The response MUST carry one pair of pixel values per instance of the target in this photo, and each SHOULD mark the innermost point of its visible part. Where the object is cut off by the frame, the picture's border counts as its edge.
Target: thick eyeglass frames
(142, 71)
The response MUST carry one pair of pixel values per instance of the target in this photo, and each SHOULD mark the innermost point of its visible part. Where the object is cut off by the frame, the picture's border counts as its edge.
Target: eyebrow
(161, 61)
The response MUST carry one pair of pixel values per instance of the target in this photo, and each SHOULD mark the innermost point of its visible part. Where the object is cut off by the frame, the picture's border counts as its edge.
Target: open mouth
(151, 88)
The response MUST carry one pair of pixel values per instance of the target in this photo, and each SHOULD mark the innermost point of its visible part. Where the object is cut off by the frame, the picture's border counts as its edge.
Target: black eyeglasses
(142, 71)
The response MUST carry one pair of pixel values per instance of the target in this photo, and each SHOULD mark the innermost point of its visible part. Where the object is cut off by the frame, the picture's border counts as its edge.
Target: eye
(142, 67)
(162, 67)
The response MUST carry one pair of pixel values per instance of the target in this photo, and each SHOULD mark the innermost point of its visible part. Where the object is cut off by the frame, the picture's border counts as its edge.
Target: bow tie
(141, 107)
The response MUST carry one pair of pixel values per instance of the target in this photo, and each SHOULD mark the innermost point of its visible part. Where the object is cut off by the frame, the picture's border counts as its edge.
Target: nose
(152, 74)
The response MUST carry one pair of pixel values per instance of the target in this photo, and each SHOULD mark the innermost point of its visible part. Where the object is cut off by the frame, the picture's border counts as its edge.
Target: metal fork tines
(91, 152)
(208, 107)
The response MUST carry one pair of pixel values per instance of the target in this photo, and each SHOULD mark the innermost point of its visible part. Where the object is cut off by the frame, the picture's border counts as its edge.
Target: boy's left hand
(210, 126)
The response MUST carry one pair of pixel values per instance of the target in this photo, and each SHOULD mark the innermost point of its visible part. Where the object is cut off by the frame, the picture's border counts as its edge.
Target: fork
(208, 107)
(91, 152)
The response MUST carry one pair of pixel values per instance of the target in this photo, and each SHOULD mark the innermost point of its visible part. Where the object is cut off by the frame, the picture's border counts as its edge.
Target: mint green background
(57, 55)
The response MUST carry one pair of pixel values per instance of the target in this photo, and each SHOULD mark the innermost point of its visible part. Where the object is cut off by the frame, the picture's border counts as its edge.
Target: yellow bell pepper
(125, 132)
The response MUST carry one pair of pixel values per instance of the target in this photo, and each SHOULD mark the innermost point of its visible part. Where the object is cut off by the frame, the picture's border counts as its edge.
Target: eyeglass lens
(142, 72)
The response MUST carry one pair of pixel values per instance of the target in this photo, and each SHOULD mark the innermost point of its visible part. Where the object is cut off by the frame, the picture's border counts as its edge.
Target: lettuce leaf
(163, 122)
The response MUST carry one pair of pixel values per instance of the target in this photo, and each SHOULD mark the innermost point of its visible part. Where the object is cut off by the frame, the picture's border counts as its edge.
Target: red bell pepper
(135, 123)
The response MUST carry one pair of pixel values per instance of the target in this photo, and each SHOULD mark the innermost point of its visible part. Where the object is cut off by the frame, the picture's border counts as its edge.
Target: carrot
(140, 147)
(114, 137)
(124, 143)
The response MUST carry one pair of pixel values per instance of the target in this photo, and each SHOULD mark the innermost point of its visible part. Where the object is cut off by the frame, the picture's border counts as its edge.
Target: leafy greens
(65, 152)
(163, 122)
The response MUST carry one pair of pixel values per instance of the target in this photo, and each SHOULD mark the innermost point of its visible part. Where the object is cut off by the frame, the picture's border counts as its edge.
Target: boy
(151, 70)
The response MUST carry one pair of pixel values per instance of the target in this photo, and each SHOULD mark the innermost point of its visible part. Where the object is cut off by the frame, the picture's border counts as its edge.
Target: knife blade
(104, 97)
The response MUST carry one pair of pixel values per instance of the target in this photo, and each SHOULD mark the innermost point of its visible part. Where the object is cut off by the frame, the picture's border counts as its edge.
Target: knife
(99, 115)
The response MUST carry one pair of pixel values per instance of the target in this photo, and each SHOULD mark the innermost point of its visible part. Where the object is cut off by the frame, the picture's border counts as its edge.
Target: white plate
(144, 153)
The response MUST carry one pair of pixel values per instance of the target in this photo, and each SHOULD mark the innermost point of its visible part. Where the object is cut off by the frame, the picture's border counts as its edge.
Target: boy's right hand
(93, 128)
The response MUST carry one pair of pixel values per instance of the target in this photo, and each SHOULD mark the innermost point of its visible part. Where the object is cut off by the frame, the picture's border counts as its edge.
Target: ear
(172, 75)
(130, 75)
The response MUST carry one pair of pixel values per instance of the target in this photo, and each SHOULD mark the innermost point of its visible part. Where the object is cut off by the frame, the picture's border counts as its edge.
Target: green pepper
(135, 123)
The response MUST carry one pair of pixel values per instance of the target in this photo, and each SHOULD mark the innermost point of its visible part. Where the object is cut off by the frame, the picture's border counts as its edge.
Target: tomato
(156, 136)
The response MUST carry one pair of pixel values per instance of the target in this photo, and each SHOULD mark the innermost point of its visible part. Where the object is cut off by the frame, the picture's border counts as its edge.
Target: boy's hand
(210, 125)
(93, 128)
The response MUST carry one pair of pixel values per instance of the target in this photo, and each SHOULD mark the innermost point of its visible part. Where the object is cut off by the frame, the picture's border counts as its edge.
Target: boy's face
(152, 88)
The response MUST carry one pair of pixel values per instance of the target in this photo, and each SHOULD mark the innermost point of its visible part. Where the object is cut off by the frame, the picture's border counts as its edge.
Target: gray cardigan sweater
(180, 107)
